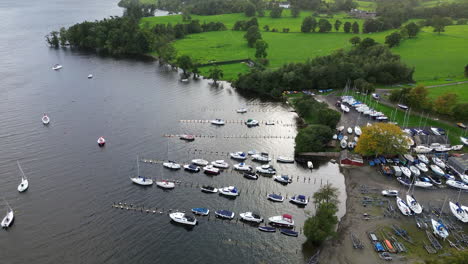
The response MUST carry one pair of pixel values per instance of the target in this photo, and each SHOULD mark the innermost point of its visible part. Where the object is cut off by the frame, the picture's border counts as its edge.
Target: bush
(313, 138)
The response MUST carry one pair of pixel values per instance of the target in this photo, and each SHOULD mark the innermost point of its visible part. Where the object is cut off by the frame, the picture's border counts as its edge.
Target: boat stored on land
(267, 229)
(439, 229)
(423, 158)
(438, 162)
(413, 204)
(101, 141)
(141, 180)
(457, 184)
(459, 212)
(422, 149)
(391, 193)
(404, 208)
(289, 232)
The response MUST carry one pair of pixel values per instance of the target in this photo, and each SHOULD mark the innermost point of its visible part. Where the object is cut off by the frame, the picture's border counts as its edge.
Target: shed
(459, 164)
(350, 159)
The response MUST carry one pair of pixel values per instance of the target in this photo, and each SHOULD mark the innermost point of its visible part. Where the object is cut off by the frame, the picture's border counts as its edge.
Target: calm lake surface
(66, 216)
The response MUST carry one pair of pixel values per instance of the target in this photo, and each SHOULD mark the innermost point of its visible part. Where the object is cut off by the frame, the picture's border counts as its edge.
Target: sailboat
(141, 180)
(8, 219)
(404, 208)
(438, 227)
(459, 212)
(23, 186)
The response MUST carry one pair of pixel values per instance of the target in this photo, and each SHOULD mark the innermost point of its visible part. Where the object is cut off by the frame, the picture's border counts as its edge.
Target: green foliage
(460, 112)
(313, 138)
(347, 27)
(260, 49)
(185, 63)
(216, 74)
(355, 27)
(328, 117)
(355, 40)
(418, 98)
(412, 29)
(53, 39)
(324, 26)
(295, 12)
(457, 257)
(364, 86)
(444, 103)
(438, 23)
(393, 39)
(338, 25)
(466, 71)
(249, 10)
(367, 43)
(252, 35)
(276, 11)
(326, 194)
(381, 139)
(308, 24)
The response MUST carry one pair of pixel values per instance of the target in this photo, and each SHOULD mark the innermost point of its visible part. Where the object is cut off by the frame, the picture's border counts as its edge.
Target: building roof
(345, 154)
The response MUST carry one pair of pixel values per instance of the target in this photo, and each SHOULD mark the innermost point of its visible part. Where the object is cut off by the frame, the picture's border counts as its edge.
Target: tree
(444, 103)
(249, 10)
(418, 97)
(337, 25)
(328, 117)
(460, 111)
(215, 73)
(196, 71)
(326, 194)
(63, 37)
(412, 29)
(260, 49)
(366, 43)
(252, 35)
(53, 39)
(261, 13)
(276, 11)
(466, 71)
(266, 28)
(252, 22)
(381, 139)
(308, 24)
(355, 40)
(347, 27)
(295, 12)
(393, 39)
(355, 28)
(185, 63)
(324, 26)
(313, 138)
(438, 23)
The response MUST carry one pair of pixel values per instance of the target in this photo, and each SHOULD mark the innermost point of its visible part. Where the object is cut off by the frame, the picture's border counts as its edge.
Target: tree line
(310, 24)
(368, 60)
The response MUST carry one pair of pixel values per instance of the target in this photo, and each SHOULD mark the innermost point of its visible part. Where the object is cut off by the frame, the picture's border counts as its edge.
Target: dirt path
(430, 86)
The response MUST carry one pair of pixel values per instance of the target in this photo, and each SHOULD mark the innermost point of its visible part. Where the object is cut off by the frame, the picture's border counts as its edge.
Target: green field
(436, 56)
(461, 90)
(366, 5)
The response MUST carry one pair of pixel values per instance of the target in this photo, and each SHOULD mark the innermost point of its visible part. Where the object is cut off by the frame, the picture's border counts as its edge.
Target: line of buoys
(242, 122)
(233, 136)
(250, 110)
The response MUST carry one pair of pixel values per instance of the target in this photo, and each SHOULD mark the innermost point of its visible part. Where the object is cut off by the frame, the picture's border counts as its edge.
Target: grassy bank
(460, 89)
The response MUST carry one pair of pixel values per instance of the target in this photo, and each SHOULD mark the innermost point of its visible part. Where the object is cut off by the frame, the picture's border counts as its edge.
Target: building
(362, 14)
(285, 5)
(459, 164)
(349, 159)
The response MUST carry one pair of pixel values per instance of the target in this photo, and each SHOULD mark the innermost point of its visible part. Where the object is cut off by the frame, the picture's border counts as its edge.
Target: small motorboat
(299, 199)
(404, 107)
(165, 184)
(422, 167)
(351, 145)
(220, 164)
(266, 169)
(350, 130)
(8, 219)
(443, 148)
(284, 220)
(458, 212)
(461, 125)
(187, 137)
(284, 159)
(45, 119)
(457, 147)
(310, 165)
(242, 167)
(404, 208)
(184, 80)
(275, 198)
(335, 137)
(344, 108)
(238, 155)
(376, 96)
(57, 67)
(464, 140)
(422, 149)
(390, 193)
(270, 123)
(201, 211)
(289, 232)
(171, 165)
(415, 171)
(267, 229)
(340, 128)
(251, 175)
(101, 141)
(409, 158)
(439, 229)
(262, 157)
(457, 184)
(357, 130)
(241, 110)
(438, 162)
(251, 217)
(343, 143)
(191, 168)
(251, 122)
(423, 158)
(229, 191)
(406, 171)
(413, 204)
(423, 183)
(200, 162)
(210, 169)
(252, 152)
(224, 214)
(90, 76)
(284, 179)
(218, 122)
(437, 170)
(24, 184)
(208, 189)
(182, 218)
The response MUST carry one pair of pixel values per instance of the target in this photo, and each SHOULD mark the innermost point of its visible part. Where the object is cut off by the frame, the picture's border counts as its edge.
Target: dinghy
(210, 169)
(357, 131)
(262, 157)
(141, 180)
(284, 220)
(275, 198)
(220, 164)
(200, 162)
(423, 158)
(218, 122)
(413, 204)
(229, 191)
(404, 107)
(438, 162)
(457, 184)
(241, 110)
(45, 119)
(343, 144)
(267, 229)
(250, 175)
(23, 186)
(165, 184)
(350, 130)
(284, 159)
(238, 155)
(266, 169)
(310, 165)
(335, 137)
(439, 229)
(201, 211)
(171, 165)
(101, 141)
(437, 170)
(90, 76)
(284, 179)
(57, 67)
(404, 208)
(251, 122)
(187, 137)
(191, 168)
(208, 189)
(391, 193)
(434, 179)
(289, 232)
(299, 199)
(242, 167)
(251, 217)
(458, 212)
(224, 214)
(344, 108)
(182, 218)
(8, 219)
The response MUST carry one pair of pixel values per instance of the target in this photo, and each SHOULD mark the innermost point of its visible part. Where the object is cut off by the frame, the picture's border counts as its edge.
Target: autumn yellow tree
(382, 139)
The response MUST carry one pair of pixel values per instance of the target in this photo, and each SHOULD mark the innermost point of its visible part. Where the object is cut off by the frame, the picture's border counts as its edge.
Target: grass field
(286, 21)
(461, 90)
(436, 56)
(366, 5)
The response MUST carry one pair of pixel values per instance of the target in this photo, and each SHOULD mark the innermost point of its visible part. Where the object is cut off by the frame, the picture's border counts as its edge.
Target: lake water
(66, 216)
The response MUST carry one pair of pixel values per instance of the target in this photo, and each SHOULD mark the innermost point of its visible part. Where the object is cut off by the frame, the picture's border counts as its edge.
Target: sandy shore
(340, 249)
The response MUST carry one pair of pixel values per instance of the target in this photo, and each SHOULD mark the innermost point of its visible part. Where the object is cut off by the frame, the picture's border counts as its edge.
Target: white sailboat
(23, 186)
(141, 180)
(357, 130)
(439, 229)
(8, 219)
(413, 204)
(404, 209)
(459, 212)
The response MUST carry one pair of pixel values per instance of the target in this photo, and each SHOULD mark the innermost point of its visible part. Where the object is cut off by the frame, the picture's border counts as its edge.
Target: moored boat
(241, 110)
(266, 169)
(224, 214)
(191, 168)
(284, 159)
(165, 184)
(200, 211)
(229, 191)
(210, 169)
(208, 189)
(238, 155)
(267, 229)
(299, 199)
(182, 218)
(252, 122)
(275, 197)
(242, 167)
(437, 170)
(220, 164)
(390, 193)
(285, 220)
(262, 157)
(250, 175)
(171, 165)
(284, 179)
(101, 141)
(90, 76)
(57, 67)
(251, 217)
(200, 162)
(24, 184)
(187, 137)
(218, 122)
(289, 232)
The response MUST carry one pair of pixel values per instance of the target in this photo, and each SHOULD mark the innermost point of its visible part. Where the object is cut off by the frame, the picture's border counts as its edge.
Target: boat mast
(442, 209)
(138, 166)
(21, 170)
